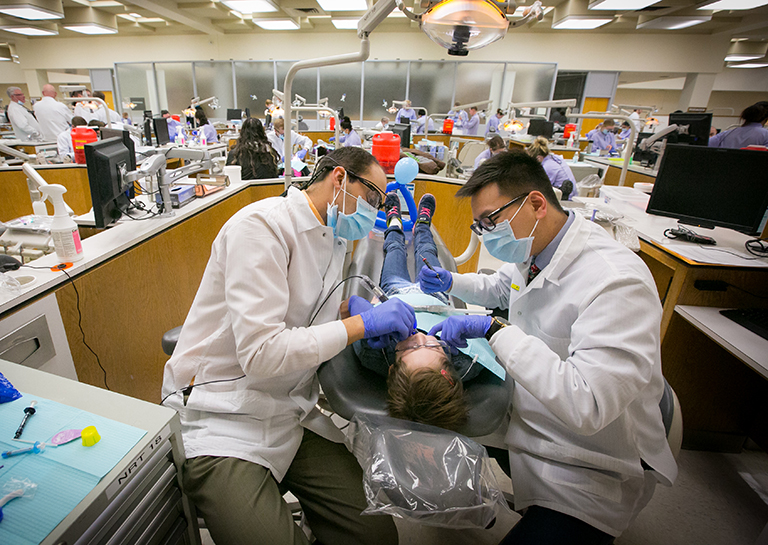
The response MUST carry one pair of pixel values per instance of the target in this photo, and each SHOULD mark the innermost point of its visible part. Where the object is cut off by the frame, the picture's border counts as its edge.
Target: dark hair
(346, 124)
(515, 173)
(163, 112)
(625, 123)
(252, 147)
(202, 119)
(499, 112)
(422, 111)
(352, 158)
(757, 113)
(495, 142)
(427, 396)
(78, 121)
(96, 123)
(99, 94)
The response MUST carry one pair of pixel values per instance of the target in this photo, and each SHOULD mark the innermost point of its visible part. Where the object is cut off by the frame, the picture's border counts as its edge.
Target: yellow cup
(90, 436)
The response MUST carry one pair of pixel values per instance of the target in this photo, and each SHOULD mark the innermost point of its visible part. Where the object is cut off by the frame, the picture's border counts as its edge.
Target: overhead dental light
(461, 26)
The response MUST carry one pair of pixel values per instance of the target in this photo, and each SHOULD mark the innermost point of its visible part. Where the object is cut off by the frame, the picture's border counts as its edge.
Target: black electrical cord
(79, 318)
(329, 296)
(757, 247)
(187, 389)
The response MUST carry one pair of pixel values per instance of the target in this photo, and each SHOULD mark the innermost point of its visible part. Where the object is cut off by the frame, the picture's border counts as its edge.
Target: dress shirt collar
(545, 256)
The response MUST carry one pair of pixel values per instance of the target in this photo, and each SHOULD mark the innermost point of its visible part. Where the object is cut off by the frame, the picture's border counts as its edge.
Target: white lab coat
(271, 266)
(86, 110)
(278, 144)
(64, 144)
(635, 117)
(53, 117)
(24, 124)
(101, 115)
(583, 353)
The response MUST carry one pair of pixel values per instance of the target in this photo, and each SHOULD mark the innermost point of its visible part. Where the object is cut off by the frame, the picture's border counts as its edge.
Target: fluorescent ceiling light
(739, 58)
(576, 22)
(277, 24)
(672, 22)
(250, 6)
(620, 5)
(749, 65)
(343, 5)
(735, 4)
(127, 17)
(30, 14)
(30, 31)
(345, 24)
(90, 29)
(746, 51)
(133, 14)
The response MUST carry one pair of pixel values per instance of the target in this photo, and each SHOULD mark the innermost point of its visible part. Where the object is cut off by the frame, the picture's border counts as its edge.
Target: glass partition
(174, 85)
(254, 79)
(215, 79)
(342, 81)
(137, 87)
(384, 81)
(431, 84)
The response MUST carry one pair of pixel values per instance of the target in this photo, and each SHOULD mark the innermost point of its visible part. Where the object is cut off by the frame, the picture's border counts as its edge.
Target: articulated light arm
(645, 144)
(91, 99)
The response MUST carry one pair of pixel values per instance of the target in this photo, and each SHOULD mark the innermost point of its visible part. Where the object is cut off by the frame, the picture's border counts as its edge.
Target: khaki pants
(242, 503)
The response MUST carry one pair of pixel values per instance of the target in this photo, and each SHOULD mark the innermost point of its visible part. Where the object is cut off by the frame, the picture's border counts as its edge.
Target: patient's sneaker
(426, 209)
(392, 210)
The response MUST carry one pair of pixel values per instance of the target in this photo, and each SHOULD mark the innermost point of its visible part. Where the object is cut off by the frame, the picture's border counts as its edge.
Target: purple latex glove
(457, 329)
(392, 318)
(358, 305)
(301, 154)
(434, 281)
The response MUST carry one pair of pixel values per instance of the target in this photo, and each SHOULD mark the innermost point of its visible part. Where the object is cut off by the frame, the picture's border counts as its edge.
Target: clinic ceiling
(158, 17)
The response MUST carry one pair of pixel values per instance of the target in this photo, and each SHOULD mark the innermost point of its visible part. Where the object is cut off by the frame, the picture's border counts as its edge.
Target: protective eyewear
(375, 196)
(488, 223)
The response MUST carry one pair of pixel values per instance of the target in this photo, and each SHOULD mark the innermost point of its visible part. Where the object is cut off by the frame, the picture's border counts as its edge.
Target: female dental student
(555, 166)
(243, 374)
(752, 132)
(603, 138)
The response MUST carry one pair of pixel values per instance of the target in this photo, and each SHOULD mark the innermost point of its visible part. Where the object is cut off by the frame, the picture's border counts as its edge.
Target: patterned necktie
(533, 271)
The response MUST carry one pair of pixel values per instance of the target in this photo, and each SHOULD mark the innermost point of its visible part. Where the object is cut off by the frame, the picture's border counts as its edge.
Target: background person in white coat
(24, 124)
(259, 328)
(586, 440)
(108, 115)
(85, 109)
(52, 115)
(276, 137)
(64, 139)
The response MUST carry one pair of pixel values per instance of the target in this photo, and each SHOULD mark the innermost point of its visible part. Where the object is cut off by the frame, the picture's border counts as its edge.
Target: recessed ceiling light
(621, 5)
(343, 5)
(577, 22)
(277, 24)
(672, 22)
(250, 6)
(749, 65)
(746, 51)
(735, 4)
(345, 24)
(90, 29)
(134, 14)
(33, 10)
(30, 31)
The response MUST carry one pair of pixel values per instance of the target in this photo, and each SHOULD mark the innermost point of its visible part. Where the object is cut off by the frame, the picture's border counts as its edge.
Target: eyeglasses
(488, 223)
(375, 197)
(437, 344)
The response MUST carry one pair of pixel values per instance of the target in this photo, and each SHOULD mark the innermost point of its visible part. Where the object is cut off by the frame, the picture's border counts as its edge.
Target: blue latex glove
(358, 305)
(301, 154)
(429, 281)
(457, 329)
(393, 318)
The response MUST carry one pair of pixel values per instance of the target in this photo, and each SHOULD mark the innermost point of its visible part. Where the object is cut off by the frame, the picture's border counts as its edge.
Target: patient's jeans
(394, 272)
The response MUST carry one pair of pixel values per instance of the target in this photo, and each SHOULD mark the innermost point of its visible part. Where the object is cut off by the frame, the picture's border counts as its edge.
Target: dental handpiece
(374, 288)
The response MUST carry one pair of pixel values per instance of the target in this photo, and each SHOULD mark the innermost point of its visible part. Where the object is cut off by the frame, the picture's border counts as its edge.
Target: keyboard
(754, 319)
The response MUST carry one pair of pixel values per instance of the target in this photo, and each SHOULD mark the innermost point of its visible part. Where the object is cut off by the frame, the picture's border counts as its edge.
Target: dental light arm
(13, 152)
(645, 144)
(213, 101)
(91, 99)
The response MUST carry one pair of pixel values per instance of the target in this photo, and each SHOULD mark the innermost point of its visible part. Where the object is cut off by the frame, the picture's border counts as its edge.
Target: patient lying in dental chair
(424, 379)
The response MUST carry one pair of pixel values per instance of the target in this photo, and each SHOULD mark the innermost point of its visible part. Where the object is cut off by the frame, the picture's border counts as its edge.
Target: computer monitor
(148, 131)
(541, 127)
(403, 130)
(234, 114)
(107, 161)
(127, 142)
(161, 130)
(693, 128)
(710, 187)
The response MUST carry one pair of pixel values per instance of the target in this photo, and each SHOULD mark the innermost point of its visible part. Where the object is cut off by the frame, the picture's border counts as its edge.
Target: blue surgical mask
(605, 131)
(502, 244)
(354, 226)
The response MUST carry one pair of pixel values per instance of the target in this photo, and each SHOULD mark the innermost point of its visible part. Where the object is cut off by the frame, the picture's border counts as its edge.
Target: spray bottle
(64, 231)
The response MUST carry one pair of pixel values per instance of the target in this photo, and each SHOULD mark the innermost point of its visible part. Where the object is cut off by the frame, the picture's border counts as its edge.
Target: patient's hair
(430, 396)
